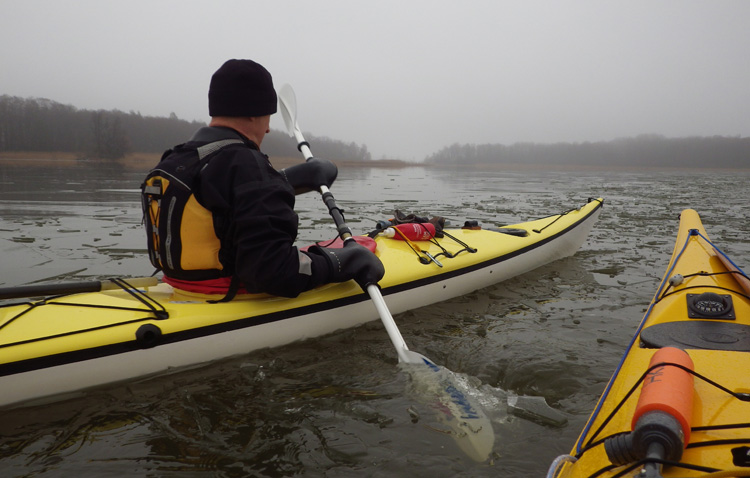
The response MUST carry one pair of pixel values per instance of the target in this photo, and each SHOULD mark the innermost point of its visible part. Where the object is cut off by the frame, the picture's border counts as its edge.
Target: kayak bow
(677, 403)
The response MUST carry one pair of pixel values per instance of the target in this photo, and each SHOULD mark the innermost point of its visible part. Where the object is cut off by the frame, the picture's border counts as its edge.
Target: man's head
(241, 88)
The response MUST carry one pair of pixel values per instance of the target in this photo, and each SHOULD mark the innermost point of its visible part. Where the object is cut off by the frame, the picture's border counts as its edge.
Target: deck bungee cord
(152, 306)
(705, 274)
(641, 463)
(411, 228)
(666, 283)
(678, 279)
(433, 240)
(424, 256)
(560, 216)
(451, 255)
(744, 397)
(709, 472)
(650, 460)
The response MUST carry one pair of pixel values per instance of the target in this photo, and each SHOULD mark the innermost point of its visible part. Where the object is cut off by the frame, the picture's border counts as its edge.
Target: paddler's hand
(353, 261)
(310, 175)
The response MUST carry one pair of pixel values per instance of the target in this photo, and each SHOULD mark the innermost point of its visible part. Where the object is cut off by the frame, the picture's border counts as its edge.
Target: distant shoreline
(145, 161)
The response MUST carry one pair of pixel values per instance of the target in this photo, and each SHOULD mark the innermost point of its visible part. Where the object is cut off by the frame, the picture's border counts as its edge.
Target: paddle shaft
(71, 287)
(372, 289)
(288, 110)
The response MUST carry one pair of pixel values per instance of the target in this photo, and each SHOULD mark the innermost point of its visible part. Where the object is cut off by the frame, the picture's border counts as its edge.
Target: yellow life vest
(182, 240)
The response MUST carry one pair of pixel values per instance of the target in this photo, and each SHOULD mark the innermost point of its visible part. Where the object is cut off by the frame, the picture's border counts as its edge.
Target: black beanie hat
(241, 88)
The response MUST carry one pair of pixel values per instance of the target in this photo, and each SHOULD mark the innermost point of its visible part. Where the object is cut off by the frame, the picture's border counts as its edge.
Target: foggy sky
(404, 77)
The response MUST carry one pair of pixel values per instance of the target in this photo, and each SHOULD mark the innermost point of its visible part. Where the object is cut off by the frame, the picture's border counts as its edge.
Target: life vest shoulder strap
(210, 148)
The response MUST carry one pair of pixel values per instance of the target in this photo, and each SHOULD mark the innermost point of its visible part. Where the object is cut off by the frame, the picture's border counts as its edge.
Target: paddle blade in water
(441, 390)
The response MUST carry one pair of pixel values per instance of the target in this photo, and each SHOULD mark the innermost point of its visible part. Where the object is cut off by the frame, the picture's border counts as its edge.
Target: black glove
(310, 175)
(353, 261)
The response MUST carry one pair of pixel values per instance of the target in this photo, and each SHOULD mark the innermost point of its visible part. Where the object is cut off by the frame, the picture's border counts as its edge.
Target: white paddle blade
(450, 398)
(470, 427)
(288, 103)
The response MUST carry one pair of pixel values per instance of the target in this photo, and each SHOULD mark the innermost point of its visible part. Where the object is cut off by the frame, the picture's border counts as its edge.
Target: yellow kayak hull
(703, 308)
(78, 341)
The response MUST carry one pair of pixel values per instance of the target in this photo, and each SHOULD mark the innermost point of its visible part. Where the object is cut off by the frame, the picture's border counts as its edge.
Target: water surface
(339, 406)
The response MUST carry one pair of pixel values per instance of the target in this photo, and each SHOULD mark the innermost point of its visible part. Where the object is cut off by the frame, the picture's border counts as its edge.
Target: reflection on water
(339, 406)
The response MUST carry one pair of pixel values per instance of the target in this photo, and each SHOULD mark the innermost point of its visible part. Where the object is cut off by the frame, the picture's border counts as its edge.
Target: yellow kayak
(678, 404)
(74, 341)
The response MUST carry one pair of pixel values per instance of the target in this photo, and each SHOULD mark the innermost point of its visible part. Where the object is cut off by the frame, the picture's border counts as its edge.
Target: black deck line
(214, 329)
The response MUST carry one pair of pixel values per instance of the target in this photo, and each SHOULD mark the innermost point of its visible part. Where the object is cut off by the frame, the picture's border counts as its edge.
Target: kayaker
(220, 219)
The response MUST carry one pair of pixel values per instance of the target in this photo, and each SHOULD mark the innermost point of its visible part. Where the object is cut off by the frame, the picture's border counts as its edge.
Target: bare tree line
(643, 150)
(38, 124)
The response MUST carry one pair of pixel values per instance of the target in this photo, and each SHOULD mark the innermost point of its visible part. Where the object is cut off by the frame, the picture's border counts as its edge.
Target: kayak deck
(702, 307)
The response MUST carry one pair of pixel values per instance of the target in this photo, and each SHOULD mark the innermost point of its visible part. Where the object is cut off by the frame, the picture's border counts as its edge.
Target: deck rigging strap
(736, 271)
(154, 306)
(640, 463)
(465, 246)
(151, 304)
(592, 442)
(426, 257)
(706, 274)
(557, 217)
(560, 216)
(74, 332)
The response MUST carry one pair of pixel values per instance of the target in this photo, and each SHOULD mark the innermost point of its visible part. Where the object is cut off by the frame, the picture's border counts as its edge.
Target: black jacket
(253, 208)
